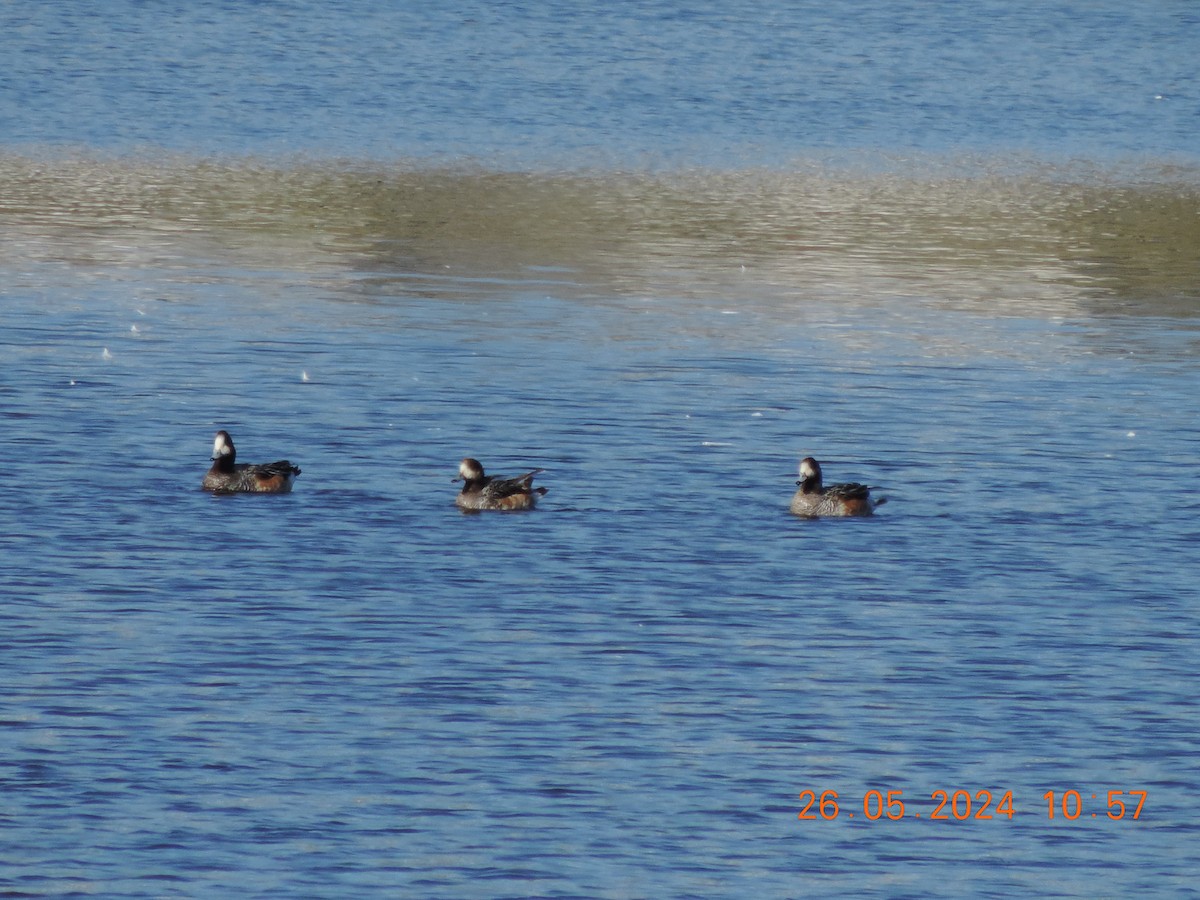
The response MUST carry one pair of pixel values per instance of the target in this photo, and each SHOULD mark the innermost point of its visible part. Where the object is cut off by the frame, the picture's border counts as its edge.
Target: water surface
(663, 254)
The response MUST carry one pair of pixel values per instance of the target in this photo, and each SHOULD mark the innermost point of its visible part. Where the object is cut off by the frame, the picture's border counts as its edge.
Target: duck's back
(848, 499)
(267, 478)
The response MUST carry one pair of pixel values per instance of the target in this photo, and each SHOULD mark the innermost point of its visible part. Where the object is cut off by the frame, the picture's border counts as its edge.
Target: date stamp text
(963, 805)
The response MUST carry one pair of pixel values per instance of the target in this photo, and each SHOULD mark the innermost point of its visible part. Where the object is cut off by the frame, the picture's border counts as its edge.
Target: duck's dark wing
(506, 487)
(279, 467)
(848, 490)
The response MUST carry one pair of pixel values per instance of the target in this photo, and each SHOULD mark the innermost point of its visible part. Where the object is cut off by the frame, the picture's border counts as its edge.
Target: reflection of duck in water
(480, 491)
(814, 499)
(227, 476)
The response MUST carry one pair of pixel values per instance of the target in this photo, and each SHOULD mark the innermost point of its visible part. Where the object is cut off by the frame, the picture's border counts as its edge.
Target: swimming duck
(480, 491)
(814, 499)
(227, 477)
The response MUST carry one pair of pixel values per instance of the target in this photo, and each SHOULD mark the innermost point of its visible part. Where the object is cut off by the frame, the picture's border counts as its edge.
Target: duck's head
(810, 472)
(469, 470)
(223, 447)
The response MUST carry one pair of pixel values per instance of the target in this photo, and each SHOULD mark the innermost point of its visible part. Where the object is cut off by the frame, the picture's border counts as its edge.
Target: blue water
(625, 84)
(342, 233)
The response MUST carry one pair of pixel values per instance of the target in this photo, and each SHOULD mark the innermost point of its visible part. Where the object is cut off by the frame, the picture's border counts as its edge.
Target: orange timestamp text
(962, 805)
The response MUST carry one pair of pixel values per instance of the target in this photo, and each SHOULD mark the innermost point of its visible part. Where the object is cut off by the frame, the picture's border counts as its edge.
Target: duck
(480, 491)
(228, 477)
(815, 499)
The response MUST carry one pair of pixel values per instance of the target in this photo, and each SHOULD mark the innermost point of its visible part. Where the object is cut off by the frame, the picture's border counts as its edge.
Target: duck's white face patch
(806, 469)
(220, 446)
